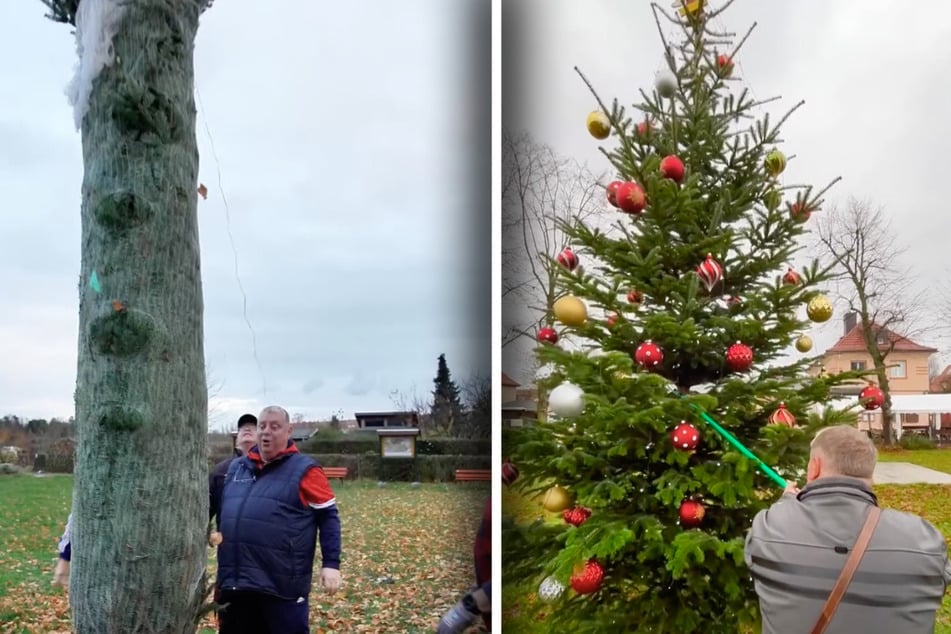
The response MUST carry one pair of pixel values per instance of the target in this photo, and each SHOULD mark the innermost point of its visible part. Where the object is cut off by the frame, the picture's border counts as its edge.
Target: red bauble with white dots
(547, 335)
(509, 473)
(739, 357)
(685, 436)
(673, 168)
(648, 354)
(631, 198)
(611, 191)
(589, 579)
(577, 515)
(872, 397)
(568, 259)
(691, 513)
(635, 297)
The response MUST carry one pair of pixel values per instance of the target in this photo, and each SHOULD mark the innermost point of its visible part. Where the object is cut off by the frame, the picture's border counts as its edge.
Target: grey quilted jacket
(796, 549)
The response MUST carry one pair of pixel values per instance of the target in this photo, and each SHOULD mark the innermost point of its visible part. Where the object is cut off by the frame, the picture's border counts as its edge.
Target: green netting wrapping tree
(689, 301)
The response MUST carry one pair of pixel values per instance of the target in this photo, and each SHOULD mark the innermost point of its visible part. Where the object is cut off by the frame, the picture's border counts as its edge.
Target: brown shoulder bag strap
(851, 565)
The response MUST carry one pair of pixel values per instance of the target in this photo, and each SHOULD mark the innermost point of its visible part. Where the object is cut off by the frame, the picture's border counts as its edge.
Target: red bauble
(691, 513)
(612, 192)
(739, 357)
(589, 579)
(872, 397)
(791, 277)
(576, 516)
(635, 297)
(547, 335)
(631, 198)
(685, 436)
(782, 416)
(643, 128)
(612, 320)
(799, 212)
(710, 272)
(673, 168)
(648, 354)
(568, 259)
(725, 64)
(509, 473)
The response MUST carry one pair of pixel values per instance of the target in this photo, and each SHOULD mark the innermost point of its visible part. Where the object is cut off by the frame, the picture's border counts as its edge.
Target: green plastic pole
(730, 438)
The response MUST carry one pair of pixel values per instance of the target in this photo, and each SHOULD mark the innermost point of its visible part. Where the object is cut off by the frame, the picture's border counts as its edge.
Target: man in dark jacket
(797, 548)
(247, 436)
(274, 505)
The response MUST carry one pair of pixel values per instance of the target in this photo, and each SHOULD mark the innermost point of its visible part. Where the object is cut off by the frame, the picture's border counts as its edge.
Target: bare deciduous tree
(859, 241)
(541, 192)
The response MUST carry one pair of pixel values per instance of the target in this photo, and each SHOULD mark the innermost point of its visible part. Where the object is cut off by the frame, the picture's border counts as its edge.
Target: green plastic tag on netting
(94, 282)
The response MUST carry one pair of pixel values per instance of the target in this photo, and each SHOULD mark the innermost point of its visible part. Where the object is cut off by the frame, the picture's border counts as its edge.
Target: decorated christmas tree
(682, 396)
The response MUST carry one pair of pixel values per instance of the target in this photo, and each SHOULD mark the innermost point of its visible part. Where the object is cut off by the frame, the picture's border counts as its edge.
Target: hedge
(433, 447)
(428, 468)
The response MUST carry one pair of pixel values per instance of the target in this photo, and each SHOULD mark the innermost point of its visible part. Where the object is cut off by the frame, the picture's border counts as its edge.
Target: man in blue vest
(274, 505)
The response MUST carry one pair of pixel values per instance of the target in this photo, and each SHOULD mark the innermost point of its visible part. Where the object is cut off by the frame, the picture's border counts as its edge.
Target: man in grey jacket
(797, 548)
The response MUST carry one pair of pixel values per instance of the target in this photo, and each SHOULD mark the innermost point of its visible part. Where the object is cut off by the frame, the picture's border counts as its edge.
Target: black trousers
(253, 613)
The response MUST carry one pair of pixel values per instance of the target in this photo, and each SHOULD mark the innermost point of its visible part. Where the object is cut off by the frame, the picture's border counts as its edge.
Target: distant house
(908, 369)
(376, 420)
(519, 406)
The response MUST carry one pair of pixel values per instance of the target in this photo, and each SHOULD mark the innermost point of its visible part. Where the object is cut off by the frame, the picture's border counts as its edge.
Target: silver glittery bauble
(665, 83)
(550, 589)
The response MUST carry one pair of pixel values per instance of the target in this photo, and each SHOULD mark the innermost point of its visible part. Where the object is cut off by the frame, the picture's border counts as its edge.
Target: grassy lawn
(407, 555)
(519, 602)
(937, 459)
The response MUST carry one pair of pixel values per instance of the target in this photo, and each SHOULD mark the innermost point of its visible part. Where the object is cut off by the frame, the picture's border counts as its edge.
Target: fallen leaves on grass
(407, 557)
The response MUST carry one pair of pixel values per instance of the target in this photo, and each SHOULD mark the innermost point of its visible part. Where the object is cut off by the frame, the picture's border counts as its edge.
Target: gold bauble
(599, 125)
(775, 163)
(819, 309)
(556, 499)
(804, 343)
(570, 311)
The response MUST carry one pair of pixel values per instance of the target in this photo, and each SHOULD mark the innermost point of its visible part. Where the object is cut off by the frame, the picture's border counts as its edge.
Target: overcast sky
(351, 140)
(876, 110)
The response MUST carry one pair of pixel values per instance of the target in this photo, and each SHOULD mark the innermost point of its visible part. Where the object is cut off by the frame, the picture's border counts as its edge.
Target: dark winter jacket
(797, 548)
(216, 482)
(268, 534)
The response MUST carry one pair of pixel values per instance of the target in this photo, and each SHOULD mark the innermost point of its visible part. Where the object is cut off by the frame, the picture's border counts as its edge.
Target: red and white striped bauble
(509, 473)
(568, 259)
(782, 416)
(710, 272)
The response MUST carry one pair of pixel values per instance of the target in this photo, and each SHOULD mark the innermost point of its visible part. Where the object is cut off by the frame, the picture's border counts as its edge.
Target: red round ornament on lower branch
(648, 354)
(685, 436)
(739, 357)
(691, 513)
(589, 579)
(872, 397)
(673, 168)
(576, 516)
(509, 473)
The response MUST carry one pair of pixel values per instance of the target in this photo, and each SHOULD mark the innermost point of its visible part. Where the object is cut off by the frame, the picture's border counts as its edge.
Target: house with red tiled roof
(907, 361)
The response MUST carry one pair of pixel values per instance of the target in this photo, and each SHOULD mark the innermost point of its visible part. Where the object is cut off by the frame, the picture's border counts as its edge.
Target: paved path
(907, 473)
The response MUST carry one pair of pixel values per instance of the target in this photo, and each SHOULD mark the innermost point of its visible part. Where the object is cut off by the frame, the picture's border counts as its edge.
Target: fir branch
(63, 11)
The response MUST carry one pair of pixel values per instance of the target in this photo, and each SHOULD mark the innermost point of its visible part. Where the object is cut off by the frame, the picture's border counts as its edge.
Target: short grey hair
(846, 451)
(272, 409)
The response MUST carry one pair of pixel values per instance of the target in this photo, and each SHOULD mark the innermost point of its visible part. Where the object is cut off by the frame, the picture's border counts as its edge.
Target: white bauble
(566, 400)
(665, 83)
(550, 589)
